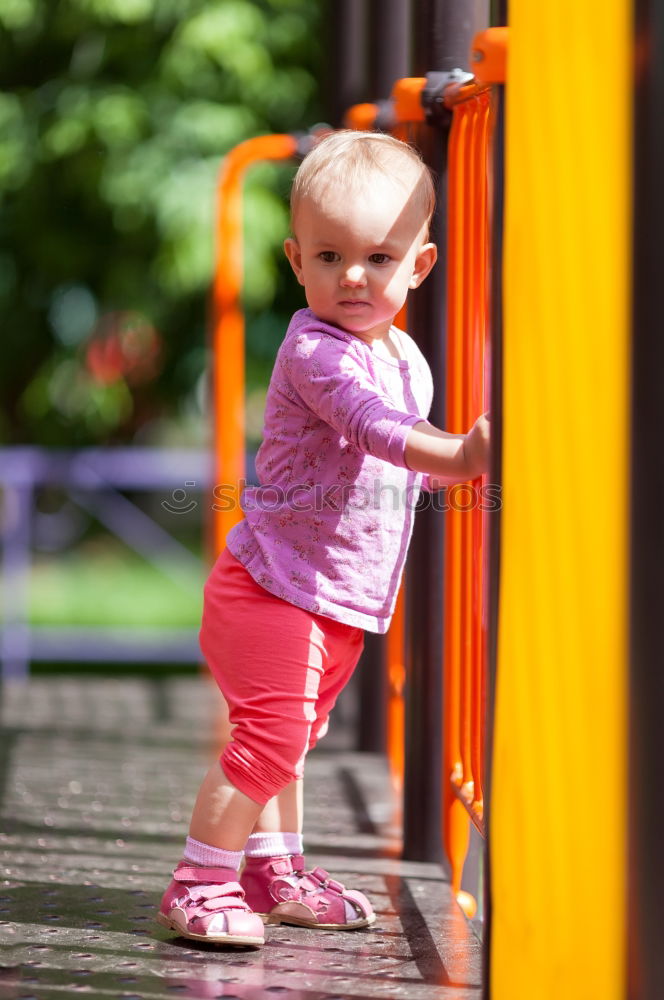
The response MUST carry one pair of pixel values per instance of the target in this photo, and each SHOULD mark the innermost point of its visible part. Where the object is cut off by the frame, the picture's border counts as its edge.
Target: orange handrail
(228, 328)
(361, 117)
(407, 99)
(489, 53)
(464, 653)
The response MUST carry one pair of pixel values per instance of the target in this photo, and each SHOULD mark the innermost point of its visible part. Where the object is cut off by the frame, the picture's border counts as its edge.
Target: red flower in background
(124, 345)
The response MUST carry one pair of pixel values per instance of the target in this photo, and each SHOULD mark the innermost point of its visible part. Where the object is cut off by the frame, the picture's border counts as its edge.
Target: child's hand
(476, 447)
(448, 458)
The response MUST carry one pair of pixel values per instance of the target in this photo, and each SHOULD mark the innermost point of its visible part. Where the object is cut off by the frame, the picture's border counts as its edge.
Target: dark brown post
(389, 60)
(345, 26)
(646, 812)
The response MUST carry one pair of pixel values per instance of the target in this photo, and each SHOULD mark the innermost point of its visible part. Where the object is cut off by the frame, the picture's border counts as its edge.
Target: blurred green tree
(115, 115)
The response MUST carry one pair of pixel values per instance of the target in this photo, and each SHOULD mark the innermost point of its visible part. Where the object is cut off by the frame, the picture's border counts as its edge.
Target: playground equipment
(228, 321)
(522, 675)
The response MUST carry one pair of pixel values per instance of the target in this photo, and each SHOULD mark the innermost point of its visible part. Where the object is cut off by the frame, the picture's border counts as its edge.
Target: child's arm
(332, 384)
(454, 457)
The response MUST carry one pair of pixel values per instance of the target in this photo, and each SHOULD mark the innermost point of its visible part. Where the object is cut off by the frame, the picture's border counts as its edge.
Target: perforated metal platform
(98, 778)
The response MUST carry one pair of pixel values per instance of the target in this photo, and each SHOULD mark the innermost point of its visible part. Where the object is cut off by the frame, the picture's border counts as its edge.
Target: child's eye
(329, 256)
(379, 258)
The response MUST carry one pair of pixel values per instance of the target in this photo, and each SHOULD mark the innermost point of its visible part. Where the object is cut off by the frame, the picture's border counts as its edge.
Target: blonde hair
(350, 157)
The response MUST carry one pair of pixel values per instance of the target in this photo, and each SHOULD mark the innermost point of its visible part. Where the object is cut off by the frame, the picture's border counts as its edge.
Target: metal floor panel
(98, 778)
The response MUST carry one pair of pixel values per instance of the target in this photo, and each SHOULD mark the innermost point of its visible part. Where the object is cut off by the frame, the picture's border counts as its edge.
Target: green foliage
(98, 583)
(115, 115)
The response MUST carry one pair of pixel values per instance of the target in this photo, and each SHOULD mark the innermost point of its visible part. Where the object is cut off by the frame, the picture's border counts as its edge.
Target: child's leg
(223, 816)
(277, 882)
(348, 650)
(204, 900)
(278, 829)
(268, 658)
(283, 813)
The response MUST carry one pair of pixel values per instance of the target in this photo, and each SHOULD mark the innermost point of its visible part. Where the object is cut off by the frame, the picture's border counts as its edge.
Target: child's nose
(354, 275)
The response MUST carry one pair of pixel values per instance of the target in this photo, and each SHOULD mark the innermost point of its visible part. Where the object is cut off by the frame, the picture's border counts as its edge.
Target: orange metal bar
(396, 668)
(361, 117)
(461, 93)
(455, 820)
(407, 103)
(407, 99)
(478, 324)
(464, 654)
(396, 678)
(474, 404)
(489, 53)
(480, 402)
(228, 326)
(483, 523)
(468, 112)
(465, 639)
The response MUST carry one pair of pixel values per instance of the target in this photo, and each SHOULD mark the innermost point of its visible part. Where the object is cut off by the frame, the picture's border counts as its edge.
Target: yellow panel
(558, 804)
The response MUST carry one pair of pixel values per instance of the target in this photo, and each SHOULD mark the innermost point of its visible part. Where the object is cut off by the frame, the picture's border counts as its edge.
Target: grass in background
(101, 582)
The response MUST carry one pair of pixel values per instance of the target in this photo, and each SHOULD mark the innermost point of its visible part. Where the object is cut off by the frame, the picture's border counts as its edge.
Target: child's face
(358, 251)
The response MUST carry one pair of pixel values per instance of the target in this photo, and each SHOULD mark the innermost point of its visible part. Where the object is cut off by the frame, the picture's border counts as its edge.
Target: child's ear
(426, 258)
(294, 254)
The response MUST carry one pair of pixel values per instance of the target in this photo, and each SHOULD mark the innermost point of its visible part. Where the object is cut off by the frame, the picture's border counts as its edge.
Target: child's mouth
(354, 305)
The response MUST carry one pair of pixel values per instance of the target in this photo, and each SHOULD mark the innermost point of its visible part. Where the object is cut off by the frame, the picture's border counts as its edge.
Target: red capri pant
(280, 669)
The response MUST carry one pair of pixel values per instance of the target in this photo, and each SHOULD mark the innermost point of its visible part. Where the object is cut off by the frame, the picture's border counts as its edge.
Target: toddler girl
(319, 555)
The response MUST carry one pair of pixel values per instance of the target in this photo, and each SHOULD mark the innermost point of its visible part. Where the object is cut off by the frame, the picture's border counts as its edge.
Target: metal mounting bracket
(433, 94)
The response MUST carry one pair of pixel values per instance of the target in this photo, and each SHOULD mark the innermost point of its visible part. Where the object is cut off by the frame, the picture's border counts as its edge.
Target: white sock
(273, 845)
(212, 857)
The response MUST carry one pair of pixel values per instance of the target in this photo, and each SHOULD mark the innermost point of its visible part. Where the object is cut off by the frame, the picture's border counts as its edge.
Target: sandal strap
(325, 879)
(307, 880)
(204, 875)
(208, 907)
(227, 891)
(273, 884)
(207, 899)
(209, 890)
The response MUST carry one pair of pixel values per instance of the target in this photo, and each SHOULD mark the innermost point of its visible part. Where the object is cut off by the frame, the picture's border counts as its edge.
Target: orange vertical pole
(472, 236)
(465, 638)
(227, 344)
(228, 329)
(396, 678)
(396, 668)
(456, 829)
(479, 404)
(466, 521)
(476, 332)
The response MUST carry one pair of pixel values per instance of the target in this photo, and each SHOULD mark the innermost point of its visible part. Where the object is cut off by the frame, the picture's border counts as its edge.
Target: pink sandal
(207, 904)
(281, 892)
